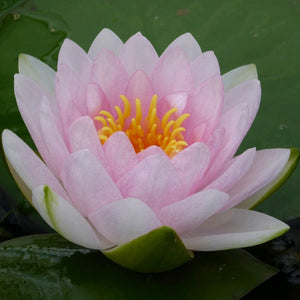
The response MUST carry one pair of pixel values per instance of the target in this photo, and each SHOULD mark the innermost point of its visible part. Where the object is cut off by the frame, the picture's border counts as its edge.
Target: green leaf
(49, 267)
(157, 251)
(269, 189)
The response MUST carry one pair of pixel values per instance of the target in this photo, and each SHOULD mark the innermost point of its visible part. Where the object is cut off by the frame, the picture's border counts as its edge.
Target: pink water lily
(131, 141)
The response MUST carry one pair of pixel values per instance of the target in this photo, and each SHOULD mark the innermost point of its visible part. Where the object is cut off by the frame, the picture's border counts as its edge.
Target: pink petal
(234, 228)
(76, 59)
(188, 44)
(138, 54)
(38, 71)
(69, 86)
(205, 105)
(140, 87)
(233, 171)
(196, 134)
(96, 100)
(110, 75)
(154, 180)
(28, 169)
(124, 220)
(234, 123)
(88, 183)
(151, 151)
(66, 91)
(28, 95)
(83, 135)
(66, 220)
(56, 146)
(186, 215)
(249, 93)
(215, 142)
(239, 75)
(172, 73)
(120, 154)
(205, 66)
(190, 164)
(178, 100)
(267, 165)
(106, 39)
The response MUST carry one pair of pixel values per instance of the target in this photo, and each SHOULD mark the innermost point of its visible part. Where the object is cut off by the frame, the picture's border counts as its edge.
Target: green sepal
(274, 185)
(159, 250)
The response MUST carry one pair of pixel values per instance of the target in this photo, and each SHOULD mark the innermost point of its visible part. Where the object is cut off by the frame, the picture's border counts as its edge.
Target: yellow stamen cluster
(143, 133)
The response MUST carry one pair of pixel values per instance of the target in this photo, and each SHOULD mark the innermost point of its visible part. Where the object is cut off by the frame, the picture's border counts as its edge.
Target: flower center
(143, 133)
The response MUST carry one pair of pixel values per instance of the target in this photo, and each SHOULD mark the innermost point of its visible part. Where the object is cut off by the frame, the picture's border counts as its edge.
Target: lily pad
(49, 267)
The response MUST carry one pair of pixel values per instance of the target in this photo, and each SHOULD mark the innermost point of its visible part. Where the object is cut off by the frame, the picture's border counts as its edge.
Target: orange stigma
(143, 133)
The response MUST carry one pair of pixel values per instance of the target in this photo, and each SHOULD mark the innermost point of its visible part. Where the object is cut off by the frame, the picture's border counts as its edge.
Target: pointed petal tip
(5, 136)
(4, 133)
(235, 228)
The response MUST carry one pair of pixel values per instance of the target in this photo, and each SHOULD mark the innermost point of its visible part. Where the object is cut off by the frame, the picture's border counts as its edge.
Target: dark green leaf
(49, 267)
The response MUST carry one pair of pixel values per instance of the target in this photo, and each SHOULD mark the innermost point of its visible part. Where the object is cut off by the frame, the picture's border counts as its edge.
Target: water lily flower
(130, 141)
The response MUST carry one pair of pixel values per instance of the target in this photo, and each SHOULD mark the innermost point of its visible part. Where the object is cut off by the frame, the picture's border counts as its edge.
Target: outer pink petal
(96, 100)
(27, 166)
(29, 96)
(247, 93)
(172, 73)
(106, 39)
(56, 146)
(38, 71)
(110, 75)
(44, 76)
(191, 163)
(66, 220)
(239, 111)
(83, 135)
(186, 215)
(205, 105)
(140, 87)
(66, 89)
(205, 66)
(69, 86)
(267, 165)
(233, 171)
(154, 180)
(215, 142)
(188, 44)
(120, 154)
(234, 228)
(138, 54)
(234, 123)
(76, 59)
(239, 75)
(88, 183)
(124, 220)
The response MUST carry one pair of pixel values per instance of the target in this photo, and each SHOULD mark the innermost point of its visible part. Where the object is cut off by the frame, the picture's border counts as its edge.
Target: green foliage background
(264, 32)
